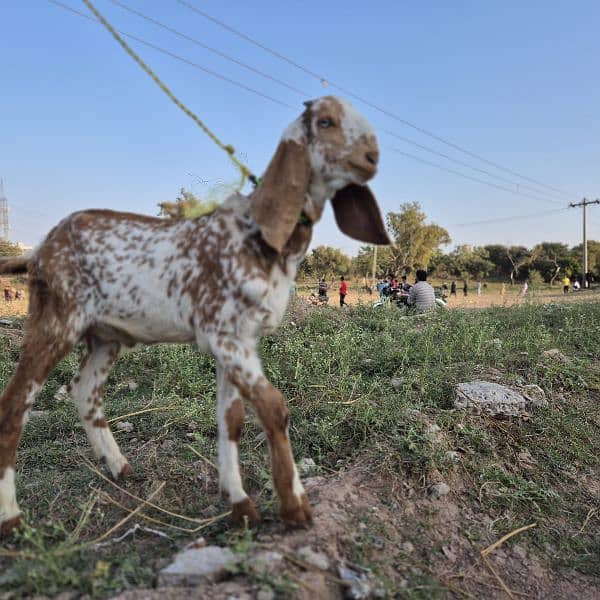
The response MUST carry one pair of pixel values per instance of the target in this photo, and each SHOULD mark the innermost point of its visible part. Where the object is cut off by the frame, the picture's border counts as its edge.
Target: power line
(514, 218)
(464, 164)
(284, 104)
(476, 179)
(178, 57)
(197, 42)
(178, 33)
(363, 100)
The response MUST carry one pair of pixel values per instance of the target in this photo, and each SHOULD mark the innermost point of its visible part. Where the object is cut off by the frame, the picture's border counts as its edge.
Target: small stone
(535, 394)
(315, 559)
(133, 385)
(61, 394)
(407, 547)
(489, 397)
(554, 354)
(437, 490)
(197, 565)
(397, 383)
(192, 426)
(452, 456)
(265, 594)
(36, 414)
(125, 426)
(306, 466)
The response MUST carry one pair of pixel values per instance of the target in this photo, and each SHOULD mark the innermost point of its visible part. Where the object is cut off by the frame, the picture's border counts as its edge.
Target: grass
(335, 369)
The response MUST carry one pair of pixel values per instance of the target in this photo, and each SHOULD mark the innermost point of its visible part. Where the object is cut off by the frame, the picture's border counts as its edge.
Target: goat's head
(330, 151)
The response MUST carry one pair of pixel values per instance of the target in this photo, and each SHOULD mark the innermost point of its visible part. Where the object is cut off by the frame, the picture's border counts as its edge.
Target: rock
(407, 547)
(125, 426)
(36, 414)
(133, 385)
(452, 456)
(554, 354)
(197, 565)
(315, 559)
(397, 383)
(360, 581)
(265, 594)
(61, 394)
(306, 466)
(432, 431)
(535, 395)
(437, 490)
(492, 398)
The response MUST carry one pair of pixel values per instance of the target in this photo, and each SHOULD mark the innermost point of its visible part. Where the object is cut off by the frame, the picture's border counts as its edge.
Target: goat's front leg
(242, 368)
(230, 416)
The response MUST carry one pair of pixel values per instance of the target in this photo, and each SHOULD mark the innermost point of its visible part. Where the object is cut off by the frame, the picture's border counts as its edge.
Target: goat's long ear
(357, 214)
(277, 203)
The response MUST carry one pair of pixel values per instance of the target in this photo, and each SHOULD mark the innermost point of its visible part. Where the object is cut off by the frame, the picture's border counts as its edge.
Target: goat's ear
(277, 203)
(357, 214)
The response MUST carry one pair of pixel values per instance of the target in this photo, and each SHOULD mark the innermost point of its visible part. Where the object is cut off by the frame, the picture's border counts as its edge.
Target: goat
(114, 279)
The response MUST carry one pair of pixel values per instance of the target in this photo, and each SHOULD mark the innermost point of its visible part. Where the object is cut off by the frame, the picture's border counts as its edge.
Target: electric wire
(476, 179)
(322, 79)
(508, 219)
(178, 33)
(178, 57)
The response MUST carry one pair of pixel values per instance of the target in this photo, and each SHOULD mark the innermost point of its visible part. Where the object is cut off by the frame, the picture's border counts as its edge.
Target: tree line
(418, 244)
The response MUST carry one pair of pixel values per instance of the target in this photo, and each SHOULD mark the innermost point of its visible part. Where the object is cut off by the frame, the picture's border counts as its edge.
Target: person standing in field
(566, 284)
(479, 288)
(453, 289)
(465, 288)
(524, 289)
(503, 290)
(343, 291)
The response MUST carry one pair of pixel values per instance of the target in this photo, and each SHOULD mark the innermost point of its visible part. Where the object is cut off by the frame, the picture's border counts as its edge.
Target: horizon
(85, 127)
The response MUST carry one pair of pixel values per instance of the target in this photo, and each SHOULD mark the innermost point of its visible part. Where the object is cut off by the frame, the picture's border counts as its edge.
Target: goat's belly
(144, 331)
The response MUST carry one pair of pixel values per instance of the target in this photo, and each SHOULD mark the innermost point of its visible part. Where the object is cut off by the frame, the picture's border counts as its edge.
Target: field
(371, 399)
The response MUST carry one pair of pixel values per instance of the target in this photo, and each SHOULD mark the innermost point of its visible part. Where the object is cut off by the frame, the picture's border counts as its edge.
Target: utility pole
(374, 264)
(584, 204)
(3, 213)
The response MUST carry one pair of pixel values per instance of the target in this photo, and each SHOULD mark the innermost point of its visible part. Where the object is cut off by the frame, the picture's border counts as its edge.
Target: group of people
(420, 295)
(11, 294)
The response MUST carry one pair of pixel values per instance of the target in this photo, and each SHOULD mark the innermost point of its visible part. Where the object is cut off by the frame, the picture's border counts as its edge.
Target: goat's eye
(325, 123)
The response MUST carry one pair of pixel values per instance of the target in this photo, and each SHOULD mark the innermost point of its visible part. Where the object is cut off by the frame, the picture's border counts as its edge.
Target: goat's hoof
(299, 515)
(125, 471)
(242, 509)
(9, 526)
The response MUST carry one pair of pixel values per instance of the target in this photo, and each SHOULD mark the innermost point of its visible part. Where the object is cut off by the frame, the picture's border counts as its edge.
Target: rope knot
(229, 149)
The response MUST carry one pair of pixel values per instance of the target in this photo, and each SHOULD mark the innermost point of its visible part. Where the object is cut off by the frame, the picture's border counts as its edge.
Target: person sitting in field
(404, 285)
(422, 295)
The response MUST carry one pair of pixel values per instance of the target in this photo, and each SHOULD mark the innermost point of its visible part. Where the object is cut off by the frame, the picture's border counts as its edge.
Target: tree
(9, 249)
(465, 261)
(324, 261)
(414, 240)
(550, 258)
(186, 206)
(593, 256)
(362, 263)
(498, 255)
(518, 257)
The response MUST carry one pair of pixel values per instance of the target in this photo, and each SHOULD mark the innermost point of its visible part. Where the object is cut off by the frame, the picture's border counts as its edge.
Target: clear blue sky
(517, 82)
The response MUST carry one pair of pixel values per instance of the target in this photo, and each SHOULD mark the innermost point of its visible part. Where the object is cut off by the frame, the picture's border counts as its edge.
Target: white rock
(535, 395)
(133, 385)
(492, 398)
(197, 565)
(397, 383)
(61, 393)
(315, 559)
(452, 456)
(407, 547)
(306, 466)
(124, 426)
(437, 490)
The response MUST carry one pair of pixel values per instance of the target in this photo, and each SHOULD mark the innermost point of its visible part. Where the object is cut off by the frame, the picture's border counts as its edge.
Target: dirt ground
(407, 534)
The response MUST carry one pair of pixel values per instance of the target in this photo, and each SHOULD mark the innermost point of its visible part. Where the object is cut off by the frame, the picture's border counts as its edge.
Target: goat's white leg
(230, 416)
(242, 367)
(86, 391)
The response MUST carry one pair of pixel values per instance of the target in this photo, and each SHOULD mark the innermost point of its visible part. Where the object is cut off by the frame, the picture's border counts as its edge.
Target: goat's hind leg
(86, 391)
(40, 353)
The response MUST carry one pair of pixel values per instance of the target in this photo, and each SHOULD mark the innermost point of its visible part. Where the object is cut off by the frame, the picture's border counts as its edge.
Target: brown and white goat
(221, 281)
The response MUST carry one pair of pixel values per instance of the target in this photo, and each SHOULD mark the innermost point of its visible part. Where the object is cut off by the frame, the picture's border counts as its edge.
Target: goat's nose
(372, 157)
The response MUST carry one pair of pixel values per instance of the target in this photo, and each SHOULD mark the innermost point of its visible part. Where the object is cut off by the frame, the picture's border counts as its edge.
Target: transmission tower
(3, 213)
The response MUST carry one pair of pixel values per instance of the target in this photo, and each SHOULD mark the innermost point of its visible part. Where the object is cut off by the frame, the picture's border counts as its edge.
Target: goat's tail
(14, 265)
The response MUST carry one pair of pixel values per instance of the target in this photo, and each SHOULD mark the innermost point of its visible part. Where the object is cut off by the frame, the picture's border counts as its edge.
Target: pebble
(437, 490)
(315, 559)
(197, 565)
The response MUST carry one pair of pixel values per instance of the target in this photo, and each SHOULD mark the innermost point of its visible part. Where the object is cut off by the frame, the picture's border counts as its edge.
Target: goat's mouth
(365, 171)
